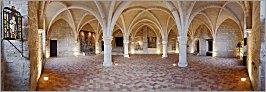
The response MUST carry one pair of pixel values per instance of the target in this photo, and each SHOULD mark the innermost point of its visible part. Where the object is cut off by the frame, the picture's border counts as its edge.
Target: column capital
(107, 38)
(164, 42)
(126, 42)
(182, 39)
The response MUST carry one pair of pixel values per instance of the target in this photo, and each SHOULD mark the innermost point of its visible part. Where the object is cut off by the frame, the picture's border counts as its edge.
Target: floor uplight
(243, 79)
(174, 64)
(116, 64)
(45, 78)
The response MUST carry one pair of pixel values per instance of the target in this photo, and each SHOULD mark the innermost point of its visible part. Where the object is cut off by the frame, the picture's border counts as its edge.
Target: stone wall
(253, 46)
(227, 37)
(15, 68)
(67, 44)
(202, 36)
(172, 37)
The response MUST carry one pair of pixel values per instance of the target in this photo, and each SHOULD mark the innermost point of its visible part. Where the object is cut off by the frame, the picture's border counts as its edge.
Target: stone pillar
(145, 41)
(98, 47)
(132, 45)
(158, 47)
(182, 51)
(177, 46)
(126, 49)
(214, 45)
(33, 41)
(164, 49)
(192, 47)
(107, 51)
(43, 42)
(2, 63)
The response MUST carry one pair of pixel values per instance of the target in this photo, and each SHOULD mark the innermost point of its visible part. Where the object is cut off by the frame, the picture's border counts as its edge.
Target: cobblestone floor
(143, 73)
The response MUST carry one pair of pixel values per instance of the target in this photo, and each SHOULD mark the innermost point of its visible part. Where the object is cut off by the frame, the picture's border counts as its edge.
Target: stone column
(132, 45)
(182, 51)
(214, 45)
(2, 63)
(33, 42)
(192, 47)
(158, 47)
(126, 49)
(177, 46)
(107, 51)
(98, 48)
(145, 41)
(164, 49)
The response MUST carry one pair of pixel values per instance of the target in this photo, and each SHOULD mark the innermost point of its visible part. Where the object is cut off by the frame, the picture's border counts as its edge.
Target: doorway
(197, 44)
(53, 48)
(210, 46)
(102, 46)
(119, 41)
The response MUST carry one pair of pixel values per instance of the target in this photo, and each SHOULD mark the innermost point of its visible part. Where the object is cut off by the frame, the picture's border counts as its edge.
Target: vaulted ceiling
(129, 16)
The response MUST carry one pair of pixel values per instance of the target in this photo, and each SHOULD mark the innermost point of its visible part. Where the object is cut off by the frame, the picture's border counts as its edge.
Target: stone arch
(213, 6)
(226, 39)
(66, 42)
(145, 41)
(172, 40)
(118, 41)
(67, 8)
(143, 20)
(134, 33)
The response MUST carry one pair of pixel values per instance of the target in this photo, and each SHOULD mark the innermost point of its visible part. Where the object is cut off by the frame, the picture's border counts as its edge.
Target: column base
(107, 64)
(182, 64)
(126, 55)
(164, 55)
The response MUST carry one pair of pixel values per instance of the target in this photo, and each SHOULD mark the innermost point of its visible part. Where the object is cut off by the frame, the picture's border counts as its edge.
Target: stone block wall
(227, 37)
(67, 44)
(15, 68)
(202, 36)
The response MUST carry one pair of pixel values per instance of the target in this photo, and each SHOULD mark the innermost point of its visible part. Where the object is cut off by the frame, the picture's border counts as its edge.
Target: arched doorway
(62, 40)
(145, 41)
(172, 42)
(118, 42)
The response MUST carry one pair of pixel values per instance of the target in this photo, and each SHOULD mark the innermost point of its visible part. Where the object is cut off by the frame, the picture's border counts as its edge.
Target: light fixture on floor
(243, 79)
(174, 64)
(45, 78)
(116, 64)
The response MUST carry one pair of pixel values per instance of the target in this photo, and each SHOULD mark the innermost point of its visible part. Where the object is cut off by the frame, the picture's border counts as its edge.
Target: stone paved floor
(143, 73)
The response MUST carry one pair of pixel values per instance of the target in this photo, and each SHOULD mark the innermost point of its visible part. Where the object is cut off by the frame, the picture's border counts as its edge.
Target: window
(12, 24)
